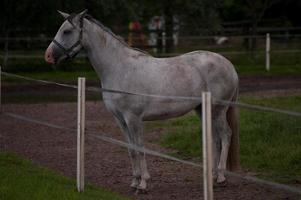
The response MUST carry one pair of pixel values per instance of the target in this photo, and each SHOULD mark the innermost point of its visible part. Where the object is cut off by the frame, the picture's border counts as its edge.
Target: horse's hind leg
(221, 126)
(216, 144)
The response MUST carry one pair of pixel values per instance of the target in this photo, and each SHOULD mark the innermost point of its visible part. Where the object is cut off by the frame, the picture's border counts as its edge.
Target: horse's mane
(109, 31)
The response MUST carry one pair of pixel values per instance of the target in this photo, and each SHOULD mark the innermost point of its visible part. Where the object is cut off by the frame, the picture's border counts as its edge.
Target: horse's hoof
(221, 179)
(133, 188)
(220, 184)
(135, 183)
(140, 191)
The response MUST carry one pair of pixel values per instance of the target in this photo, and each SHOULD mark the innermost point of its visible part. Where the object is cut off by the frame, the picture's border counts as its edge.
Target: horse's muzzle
(49, 58)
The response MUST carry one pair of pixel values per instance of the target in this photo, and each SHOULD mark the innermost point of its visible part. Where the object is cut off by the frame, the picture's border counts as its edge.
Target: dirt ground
(108, 165)
(248, 84)
(262, 84)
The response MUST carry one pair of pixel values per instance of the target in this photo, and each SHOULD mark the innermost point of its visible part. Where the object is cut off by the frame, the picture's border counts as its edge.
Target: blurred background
(235, 28)
(247, 32)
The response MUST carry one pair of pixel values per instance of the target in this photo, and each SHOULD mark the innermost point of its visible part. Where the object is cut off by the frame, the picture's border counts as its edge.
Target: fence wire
(186, 98)
(34, 56)
(105, 138)
(102, 136)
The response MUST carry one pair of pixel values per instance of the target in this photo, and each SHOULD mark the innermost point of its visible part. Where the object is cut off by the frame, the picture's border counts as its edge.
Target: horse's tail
(233, 161)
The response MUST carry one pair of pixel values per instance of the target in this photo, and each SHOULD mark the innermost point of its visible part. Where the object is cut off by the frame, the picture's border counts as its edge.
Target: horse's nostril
(49, 57)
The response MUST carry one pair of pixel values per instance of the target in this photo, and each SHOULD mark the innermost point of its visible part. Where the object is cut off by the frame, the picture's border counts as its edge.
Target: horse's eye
(66, 32)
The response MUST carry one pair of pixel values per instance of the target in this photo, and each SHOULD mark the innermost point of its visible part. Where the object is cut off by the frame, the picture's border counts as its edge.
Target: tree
(252, 10)
(256, 10)
(194, 15)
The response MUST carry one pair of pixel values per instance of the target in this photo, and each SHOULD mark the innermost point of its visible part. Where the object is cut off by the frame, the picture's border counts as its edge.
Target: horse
(123, 68)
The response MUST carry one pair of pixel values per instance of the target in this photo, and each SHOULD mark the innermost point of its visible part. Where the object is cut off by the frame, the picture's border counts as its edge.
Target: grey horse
(123, 68)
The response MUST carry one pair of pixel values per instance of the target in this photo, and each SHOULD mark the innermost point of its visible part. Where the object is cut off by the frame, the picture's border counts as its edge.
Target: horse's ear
(82, 14)
(79, 17)
(65, 15)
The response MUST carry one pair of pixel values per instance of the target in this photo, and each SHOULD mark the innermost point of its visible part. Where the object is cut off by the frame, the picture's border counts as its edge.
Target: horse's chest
(111, 105)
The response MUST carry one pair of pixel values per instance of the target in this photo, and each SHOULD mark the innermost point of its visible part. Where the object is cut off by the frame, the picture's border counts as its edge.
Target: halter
(68, 51)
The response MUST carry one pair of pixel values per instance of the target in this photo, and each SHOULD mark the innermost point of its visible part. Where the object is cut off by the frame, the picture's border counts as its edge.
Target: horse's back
(209, 72)
(219, 73)
(186, 75)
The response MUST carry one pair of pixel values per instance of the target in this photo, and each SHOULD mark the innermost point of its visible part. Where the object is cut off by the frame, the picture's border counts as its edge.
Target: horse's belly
(163, 110)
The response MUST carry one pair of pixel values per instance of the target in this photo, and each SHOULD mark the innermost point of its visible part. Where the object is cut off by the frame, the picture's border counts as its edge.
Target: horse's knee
(145, 175)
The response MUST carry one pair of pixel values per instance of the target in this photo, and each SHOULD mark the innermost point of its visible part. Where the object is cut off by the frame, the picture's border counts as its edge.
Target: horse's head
(68, 40)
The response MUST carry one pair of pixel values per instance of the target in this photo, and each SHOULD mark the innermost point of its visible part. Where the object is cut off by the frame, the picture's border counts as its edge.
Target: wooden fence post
(80, 174)
(267, 52)
(207, 145)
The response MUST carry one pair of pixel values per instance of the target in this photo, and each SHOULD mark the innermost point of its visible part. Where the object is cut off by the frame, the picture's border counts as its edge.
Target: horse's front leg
(132, 153)
(135, 127)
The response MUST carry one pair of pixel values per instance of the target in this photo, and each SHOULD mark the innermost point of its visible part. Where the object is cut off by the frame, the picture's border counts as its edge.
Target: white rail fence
(206, 124)
(267, 52)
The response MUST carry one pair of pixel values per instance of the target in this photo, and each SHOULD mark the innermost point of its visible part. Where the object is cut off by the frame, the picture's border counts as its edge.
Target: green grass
(281, 64)
(275, 70)
(32, 96)
(47, 98)
(270, 142)
(39, 64)
(63, 75)
(21, 179)
(91, 76)
(183, 134)
(55, 76)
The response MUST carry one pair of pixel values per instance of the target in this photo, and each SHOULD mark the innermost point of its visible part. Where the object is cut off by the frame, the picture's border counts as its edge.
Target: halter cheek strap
(69, 51)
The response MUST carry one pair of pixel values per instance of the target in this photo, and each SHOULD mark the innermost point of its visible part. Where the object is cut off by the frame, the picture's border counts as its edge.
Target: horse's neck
(104, 51)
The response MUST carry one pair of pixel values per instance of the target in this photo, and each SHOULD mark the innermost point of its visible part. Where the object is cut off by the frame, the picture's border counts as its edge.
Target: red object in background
(135, 26)
(135, 37)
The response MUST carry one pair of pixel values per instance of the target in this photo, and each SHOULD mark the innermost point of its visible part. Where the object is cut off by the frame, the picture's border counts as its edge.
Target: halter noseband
(68, 51)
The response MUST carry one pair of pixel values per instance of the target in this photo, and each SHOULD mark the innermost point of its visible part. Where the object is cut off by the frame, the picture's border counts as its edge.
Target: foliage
(40, 16)
(21, 179)
(33, 16)
(246, 11)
